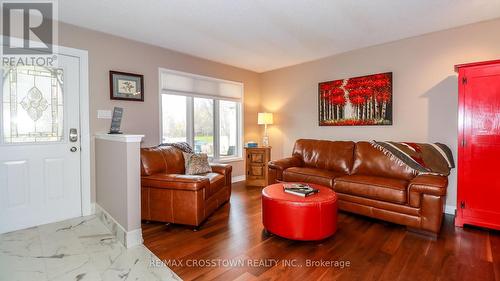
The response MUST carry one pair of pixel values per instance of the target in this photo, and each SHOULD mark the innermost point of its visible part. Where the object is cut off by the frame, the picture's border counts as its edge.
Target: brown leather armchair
(367, 182)
(168, 195)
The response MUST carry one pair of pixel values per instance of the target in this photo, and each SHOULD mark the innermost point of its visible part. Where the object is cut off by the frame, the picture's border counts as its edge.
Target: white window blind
(196, 85)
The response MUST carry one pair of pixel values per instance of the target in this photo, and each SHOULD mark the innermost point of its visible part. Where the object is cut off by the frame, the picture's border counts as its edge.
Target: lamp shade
(265, 118)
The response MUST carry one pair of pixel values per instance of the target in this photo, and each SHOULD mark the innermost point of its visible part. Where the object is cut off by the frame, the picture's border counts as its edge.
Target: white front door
(39, 162)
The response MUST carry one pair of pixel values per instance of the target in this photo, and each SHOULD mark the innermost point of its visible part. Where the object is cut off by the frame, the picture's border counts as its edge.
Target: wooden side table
(256, 165)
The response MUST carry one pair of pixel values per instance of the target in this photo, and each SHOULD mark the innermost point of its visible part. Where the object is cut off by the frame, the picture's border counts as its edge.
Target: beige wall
(425, 89)
(107, 52)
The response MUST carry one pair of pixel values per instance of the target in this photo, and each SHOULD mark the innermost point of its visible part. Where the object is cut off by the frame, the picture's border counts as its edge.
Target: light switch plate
(103, 114)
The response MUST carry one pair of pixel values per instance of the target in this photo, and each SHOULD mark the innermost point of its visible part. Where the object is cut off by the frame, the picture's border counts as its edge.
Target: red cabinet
(479, 144)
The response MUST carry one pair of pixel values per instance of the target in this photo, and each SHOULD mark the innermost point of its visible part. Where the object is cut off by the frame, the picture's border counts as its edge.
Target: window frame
(216, 120)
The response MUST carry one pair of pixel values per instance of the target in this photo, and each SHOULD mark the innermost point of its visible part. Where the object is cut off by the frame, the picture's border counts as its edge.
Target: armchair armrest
(429, 184)
(176, 181)
(223, 169)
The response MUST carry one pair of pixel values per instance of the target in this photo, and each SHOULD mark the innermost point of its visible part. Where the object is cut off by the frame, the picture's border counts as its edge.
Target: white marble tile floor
(77, 249)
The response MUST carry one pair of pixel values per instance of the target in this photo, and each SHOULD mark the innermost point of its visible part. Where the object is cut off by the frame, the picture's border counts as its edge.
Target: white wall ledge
(119, 137)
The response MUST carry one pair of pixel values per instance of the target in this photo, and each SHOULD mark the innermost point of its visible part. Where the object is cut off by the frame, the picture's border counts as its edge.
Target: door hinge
(462, 204)
(464, 80)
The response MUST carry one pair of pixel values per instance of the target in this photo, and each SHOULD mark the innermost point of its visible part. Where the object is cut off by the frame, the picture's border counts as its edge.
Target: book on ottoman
(299, 189)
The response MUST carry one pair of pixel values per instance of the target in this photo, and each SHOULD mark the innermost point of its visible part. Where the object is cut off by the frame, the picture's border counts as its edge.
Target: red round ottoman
(299, 218)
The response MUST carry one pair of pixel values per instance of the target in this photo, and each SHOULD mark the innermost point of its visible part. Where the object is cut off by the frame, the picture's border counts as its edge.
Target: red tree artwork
(356, 101)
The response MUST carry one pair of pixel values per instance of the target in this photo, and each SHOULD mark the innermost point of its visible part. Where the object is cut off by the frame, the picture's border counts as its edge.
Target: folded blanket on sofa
(183, 146)
(424, 158)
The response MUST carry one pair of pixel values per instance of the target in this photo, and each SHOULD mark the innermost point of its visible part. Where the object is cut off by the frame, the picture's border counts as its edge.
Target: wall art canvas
(359, 101)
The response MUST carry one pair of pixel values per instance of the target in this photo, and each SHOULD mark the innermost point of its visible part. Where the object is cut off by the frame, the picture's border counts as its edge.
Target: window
(203, 111)
(174, 118)
(228, 131)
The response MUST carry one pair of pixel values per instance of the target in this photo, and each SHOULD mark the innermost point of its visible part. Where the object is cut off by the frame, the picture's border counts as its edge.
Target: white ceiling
(262, 35)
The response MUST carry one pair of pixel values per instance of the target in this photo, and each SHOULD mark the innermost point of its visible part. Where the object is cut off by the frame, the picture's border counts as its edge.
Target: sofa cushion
(152, 161)
(175, 181)
(378, 188)
(174, 159)
(217, 182)
(372, 162)
(310, 175)
(334, 156)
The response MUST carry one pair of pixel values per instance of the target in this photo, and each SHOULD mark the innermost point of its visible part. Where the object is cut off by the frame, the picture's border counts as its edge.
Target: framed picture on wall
(359, 101)
(126, 86)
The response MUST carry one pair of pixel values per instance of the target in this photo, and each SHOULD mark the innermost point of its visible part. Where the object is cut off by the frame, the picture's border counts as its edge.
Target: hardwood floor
(376, 250)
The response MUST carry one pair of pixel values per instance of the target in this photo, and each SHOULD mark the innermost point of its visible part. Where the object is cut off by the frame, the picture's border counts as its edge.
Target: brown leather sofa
(168, 195)
(367, 182)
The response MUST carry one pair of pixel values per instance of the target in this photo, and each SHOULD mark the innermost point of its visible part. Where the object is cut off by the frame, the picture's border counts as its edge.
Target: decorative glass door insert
(32, 103)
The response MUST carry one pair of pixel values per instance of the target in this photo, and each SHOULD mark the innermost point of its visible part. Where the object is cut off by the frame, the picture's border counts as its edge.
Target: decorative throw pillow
(196, 163)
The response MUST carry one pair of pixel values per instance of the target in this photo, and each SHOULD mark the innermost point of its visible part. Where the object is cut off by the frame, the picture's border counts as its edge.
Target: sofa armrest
(222, 169)
(176, 181)
(286, 163)
(277, 167)
(429, 184)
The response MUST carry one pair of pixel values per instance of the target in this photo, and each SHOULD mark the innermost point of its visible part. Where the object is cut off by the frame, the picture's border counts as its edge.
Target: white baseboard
(449, 209)
(133, 238)
(238, 178)
(92, 208)
(129, 239)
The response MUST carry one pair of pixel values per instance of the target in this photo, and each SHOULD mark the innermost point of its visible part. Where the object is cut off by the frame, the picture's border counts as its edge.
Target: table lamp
(265, 118)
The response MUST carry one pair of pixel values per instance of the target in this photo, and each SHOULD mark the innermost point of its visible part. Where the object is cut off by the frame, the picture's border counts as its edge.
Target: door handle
(73, 149)
(73, 135)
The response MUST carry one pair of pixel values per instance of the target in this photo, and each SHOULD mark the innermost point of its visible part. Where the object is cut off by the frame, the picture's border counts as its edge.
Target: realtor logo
(32, 23)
